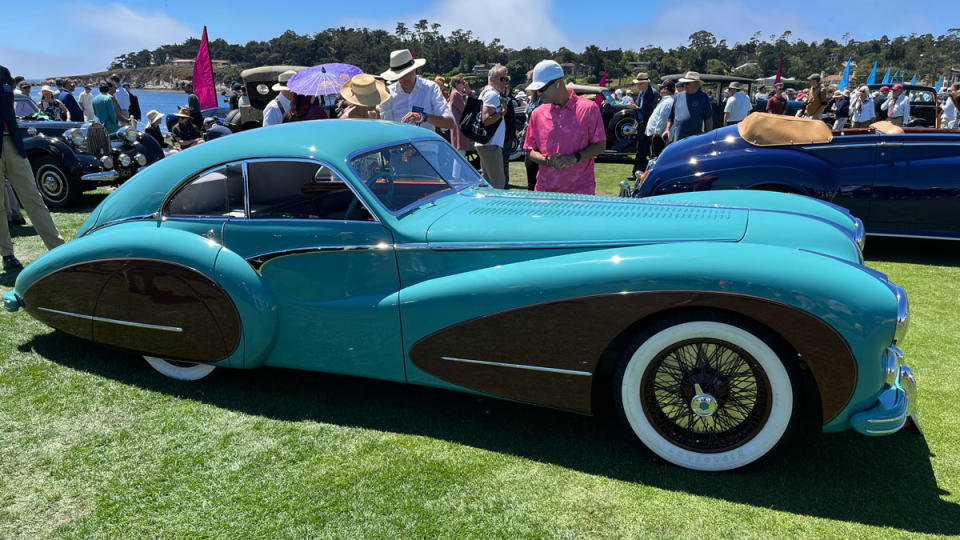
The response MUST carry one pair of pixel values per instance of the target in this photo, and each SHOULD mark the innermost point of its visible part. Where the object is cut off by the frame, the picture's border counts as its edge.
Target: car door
(918, 184)
(851, 160)
(330, 265)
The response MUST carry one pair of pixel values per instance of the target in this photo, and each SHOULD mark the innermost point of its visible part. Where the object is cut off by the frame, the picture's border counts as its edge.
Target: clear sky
(92, 33)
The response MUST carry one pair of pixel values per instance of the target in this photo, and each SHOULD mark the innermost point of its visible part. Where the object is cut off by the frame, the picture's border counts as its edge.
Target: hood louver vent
(600, 209)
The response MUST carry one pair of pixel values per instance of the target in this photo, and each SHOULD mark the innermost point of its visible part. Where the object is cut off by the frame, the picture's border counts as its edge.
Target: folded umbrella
(322, 80)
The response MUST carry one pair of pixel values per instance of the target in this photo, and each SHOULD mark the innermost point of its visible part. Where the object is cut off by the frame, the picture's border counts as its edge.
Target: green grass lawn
(93, 443)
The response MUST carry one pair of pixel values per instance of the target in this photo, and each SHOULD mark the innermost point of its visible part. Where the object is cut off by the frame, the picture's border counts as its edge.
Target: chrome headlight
(75, 136)
(263, 89)
(125, 160)
(106, 162)
(140, 159)
(903, 314)
(128, 134)
(32, 131)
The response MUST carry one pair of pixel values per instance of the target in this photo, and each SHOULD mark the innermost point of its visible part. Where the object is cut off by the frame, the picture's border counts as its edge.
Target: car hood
(489, 216)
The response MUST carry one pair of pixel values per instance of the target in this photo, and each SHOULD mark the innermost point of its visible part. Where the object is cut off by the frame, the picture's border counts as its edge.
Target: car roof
(706, 77)
(331, 141)
(266, 73)
(586, 88)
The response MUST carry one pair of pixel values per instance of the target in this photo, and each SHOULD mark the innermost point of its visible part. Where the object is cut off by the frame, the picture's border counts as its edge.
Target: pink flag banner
(779, 70)
(203, 85)
(603, 82)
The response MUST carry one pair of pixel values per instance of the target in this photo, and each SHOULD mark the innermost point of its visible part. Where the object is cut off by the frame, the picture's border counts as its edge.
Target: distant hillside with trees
(459, 51)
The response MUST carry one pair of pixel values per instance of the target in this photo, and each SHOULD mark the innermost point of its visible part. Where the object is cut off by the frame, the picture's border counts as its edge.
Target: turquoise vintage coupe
(711, 320)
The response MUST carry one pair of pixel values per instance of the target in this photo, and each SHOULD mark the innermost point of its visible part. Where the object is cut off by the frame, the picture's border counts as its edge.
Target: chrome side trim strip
(840, 146)
(439, 246)
(519, 366)
(920, 236)
(114, 321)
(257, 261)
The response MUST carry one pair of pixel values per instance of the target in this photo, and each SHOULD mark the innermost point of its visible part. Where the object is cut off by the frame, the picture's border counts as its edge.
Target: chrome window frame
(426, 200)
(163, 215)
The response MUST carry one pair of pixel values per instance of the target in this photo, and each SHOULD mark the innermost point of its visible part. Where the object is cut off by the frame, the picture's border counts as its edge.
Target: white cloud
(516, 25)
(101, 33)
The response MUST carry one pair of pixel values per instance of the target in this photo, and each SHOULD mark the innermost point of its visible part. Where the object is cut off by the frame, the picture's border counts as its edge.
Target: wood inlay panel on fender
(541, 335)
(140, 291)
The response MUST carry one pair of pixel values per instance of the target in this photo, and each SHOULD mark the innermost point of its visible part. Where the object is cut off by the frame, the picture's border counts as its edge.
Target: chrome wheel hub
(51, 182)
(703, 404)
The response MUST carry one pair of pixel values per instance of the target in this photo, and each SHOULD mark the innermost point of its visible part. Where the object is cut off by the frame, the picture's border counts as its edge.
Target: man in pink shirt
(563, 135)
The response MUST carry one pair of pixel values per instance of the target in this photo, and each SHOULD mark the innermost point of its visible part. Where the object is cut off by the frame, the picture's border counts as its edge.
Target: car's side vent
(98, 142)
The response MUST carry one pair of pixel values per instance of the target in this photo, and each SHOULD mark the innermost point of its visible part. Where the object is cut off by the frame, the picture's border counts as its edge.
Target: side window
(300, 190)
(215, 193)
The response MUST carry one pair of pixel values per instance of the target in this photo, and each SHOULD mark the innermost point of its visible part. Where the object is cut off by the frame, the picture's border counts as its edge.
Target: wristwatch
(577, 156)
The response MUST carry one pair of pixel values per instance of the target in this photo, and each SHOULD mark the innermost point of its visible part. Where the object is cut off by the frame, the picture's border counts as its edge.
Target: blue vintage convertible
(367, 248)
(900, 181)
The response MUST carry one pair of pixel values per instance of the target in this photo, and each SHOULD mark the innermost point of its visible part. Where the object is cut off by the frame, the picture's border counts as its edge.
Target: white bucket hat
(401, 63)
(154, 116)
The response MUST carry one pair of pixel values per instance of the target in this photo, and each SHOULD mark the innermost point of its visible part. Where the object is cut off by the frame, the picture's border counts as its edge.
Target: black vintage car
(69, 158)
(620, 122)
(923, 103)
(258, 83)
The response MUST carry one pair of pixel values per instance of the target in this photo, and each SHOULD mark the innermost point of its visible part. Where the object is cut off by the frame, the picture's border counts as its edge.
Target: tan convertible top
(764, 129)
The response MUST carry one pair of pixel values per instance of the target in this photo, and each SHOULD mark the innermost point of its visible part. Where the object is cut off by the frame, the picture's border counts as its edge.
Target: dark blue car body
(899, 184)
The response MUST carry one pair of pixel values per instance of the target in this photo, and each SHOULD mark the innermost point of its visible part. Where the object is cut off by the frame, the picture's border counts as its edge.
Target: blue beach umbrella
(322, 80)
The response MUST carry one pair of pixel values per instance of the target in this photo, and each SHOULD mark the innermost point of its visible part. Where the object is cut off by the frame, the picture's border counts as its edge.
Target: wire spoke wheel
(705, 394)
(721, 371)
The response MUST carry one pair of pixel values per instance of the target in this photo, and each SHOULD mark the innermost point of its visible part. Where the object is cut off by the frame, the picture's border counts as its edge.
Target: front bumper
(896, 404)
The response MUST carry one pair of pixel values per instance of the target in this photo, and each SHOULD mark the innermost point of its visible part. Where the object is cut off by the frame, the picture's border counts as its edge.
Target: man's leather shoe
(11, 263)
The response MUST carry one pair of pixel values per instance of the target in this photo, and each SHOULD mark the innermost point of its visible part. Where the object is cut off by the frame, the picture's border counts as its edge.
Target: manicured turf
(93, 443)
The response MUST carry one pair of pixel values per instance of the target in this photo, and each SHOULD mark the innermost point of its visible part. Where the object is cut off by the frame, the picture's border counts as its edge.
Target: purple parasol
(322, 80)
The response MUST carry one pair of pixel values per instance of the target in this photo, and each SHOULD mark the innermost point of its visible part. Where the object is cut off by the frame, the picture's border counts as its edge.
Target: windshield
(24, 106)
(406, 175)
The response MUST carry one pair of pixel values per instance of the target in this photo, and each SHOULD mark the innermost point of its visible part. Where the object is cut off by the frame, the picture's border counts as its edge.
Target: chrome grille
(98, 142)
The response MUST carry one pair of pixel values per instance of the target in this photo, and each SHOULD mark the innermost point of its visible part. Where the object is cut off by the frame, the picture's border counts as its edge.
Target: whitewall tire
(706, 395)
(182, 371)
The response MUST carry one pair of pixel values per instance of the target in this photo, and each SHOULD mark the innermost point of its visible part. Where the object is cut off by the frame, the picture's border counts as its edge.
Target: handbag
(471, 123)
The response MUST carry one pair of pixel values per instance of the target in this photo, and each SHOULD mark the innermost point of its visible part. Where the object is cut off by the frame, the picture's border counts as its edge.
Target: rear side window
(285, 189)
(215, 193)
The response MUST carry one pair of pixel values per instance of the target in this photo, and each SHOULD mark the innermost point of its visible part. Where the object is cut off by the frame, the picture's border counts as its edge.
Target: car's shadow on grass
(912, 251)
(884, 482)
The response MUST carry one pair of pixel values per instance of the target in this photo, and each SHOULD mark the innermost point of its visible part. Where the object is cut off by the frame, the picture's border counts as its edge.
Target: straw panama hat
(641, 77)
(690, 76)
(282, 80)
(401, 63)
(735, 85)
(154, 116)
(47, 88)
(184, 112)
(364, 90)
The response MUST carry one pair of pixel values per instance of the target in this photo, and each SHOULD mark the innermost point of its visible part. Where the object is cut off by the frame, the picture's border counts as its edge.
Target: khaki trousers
(16, 169)
(11, 205)
(491, 159)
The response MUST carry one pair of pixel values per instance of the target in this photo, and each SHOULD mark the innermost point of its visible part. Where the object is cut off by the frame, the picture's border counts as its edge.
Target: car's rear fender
(156, 281)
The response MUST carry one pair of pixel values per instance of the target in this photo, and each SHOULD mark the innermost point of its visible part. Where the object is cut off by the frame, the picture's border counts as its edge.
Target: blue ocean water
(165, 102)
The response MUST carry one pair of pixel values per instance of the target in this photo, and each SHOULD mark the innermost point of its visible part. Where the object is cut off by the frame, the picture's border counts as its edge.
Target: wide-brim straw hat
(691, 76)
(641, 77)
(282, 81)
(184, 112)
(401, 63)
(48, 88)
(154, 116)
(364, 90)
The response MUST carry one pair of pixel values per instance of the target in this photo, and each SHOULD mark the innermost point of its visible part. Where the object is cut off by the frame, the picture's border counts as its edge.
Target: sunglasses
(504, 79)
